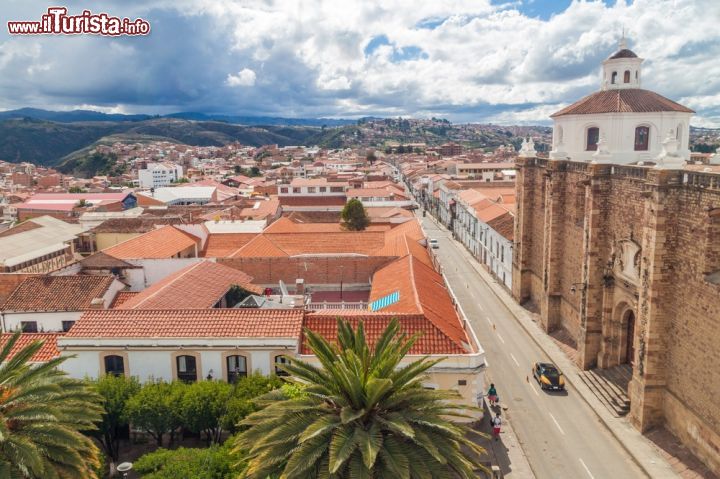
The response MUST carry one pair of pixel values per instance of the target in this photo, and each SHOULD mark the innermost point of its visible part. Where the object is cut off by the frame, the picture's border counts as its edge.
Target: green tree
(242, 399)
(76, 189)
(354, 216)
(116, 391)
(215, 462)
(370, 157)
(156, 409)
(43, 414)
(363, 415)
(203, 407)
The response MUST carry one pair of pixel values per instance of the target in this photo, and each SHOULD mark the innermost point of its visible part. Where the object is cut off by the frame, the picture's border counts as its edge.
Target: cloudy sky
(465, 60)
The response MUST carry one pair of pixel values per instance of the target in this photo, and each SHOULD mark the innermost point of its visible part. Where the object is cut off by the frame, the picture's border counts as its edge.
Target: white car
(434, 243)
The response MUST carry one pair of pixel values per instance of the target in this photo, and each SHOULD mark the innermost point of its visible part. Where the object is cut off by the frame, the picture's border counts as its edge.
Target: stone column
(553, 245)
(524, 190)
(593, 269)
(647, 386)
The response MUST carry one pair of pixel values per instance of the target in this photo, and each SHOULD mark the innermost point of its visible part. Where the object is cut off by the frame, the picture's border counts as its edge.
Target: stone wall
(594, 242)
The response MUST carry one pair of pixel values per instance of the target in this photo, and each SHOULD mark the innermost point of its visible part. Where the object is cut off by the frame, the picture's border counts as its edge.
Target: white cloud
(245, 77)
(462, 59)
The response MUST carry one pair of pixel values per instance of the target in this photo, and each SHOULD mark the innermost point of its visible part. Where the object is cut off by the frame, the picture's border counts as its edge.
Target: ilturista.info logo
(56, 21)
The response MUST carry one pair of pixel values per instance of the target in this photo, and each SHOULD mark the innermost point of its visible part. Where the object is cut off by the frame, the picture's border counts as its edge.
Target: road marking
(532, 386)
(501, 338)
(487, 318)
(556, 423)
(586, 468)
(513, 358)
(481, 307)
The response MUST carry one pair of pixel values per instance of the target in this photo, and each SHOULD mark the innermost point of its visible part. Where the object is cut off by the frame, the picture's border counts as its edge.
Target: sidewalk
(637, 446)
(507, 452)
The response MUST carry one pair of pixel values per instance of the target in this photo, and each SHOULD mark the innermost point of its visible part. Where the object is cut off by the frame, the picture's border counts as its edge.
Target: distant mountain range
(89, 115)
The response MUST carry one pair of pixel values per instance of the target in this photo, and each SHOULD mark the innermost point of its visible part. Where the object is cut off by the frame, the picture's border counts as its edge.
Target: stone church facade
(619, 244)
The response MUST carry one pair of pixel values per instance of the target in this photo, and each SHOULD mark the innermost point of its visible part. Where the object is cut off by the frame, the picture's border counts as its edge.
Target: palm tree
(362, 415)
(42, 412)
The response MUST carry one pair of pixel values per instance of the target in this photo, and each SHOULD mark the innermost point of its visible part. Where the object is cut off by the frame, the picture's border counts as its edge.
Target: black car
(549, 376)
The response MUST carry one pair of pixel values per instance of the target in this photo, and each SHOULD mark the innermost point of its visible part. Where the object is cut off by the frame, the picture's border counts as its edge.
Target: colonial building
(619, 244)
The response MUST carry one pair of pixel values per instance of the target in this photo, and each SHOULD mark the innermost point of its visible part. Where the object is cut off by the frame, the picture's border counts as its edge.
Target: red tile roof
(504, 225)
(622, 101)
(189, 323)
(121, 297)
(431, 340)
(48, 351)
(58, 293)
(164, 242)
(200, 285)
(287, 225)
(422, 291)
(221, 245)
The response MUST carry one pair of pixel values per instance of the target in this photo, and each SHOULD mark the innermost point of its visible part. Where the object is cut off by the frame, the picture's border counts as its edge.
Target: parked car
(434, 243)
(549, 376)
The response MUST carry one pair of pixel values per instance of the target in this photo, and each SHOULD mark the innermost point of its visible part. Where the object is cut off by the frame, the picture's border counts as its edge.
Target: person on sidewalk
(496, 422)
(492, 395)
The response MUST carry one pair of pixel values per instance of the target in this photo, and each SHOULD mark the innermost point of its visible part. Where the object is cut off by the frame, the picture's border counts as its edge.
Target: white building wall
(156, 269)
(618, 130)
(46, 322)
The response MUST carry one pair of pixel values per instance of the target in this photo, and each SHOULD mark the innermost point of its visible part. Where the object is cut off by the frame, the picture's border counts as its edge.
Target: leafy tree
(76, 189)
(43, 414)
(156, 408)
(363, 416)
(354, 216)
(371, 158)
(215, 462)
(242, 399)
(116, 391)
(182, 180)
(203, 407)
(235, 294)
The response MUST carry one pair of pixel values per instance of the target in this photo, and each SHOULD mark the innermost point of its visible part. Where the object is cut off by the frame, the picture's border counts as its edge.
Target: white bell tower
(622, 69)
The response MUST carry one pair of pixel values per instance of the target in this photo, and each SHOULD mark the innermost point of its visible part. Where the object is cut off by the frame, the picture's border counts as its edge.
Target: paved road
(561, 436)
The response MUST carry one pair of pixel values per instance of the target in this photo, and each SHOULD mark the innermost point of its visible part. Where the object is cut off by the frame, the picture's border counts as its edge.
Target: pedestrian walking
(496, 422)
(492, 395)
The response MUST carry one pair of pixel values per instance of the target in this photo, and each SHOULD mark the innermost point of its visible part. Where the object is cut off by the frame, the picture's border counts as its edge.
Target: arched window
(186, 368)
(281, 359)
(613, 78)
(236, 368)
(593, 136)
(642, 138)
(114, 365)
(626, 76)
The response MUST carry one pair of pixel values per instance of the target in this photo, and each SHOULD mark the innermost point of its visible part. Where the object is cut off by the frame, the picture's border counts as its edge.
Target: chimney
(97, 303)
(300, 286)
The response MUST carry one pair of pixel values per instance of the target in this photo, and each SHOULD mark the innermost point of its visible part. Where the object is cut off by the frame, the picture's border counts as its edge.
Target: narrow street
(559, 433)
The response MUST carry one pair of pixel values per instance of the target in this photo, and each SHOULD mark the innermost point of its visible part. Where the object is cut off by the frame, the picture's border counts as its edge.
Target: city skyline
(501, 62)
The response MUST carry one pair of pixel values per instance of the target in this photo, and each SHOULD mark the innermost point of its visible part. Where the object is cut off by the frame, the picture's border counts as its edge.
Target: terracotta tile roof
(189, 323)
(163, 242)
(286, 225)
(622, 101)
(101, 260)
(431, 340)
(349, 242)
(134, 225)
(221, 245)
(261, 209)
(121, 297)
(48, 351)
(259, 247)
(200, 285)
(422, 291)
(504, 225)
(58, 293)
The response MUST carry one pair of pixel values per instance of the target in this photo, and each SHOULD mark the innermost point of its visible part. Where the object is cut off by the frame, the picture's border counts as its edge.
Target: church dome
(623, 53)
